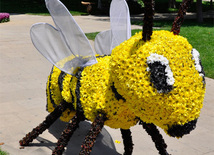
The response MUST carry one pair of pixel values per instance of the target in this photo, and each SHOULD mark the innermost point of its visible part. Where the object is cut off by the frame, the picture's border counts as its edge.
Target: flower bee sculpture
(153, 78)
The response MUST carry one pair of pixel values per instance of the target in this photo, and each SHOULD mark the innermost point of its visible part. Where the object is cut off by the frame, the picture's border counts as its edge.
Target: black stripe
(102, 56)
(77, 91)
(72, 94)
(180, 130)
(60, 80)
(117, 95)
(70, 105)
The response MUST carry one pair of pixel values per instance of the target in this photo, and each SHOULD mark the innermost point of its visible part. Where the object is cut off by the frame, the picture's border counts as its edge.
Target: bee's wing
(65, 41)
(120, 28)
(49, 43)
(102, 43)
(120, 22)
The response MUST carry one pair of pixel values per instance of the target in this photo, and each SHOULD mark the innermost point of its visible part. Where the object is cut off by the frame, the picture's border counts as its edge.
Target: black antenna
(180, 17)
(148, 19)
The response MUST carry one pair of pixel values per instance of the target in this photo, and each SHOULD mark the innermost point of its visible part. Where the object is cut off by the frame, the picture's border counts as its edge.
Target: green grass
(91, 36)
(200, 36)
(3, 152)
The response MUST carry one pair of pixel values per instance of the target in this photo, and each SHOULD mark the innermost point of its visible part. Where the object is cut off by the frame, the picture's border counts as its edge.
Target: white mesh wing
(49, 43)
(65, 41)
(120, 28)
(102, 43)
(120, 22)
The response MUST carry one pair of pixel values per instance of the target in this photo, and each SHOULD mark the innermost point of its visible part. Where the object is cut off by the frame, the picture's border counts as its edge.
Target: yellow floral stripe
(67, 96)
(97, 96)
(50, 107)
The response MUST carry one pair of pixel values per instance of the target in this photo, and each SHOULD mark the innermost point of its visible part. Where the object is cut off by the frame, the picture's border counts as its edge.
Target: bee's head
(161, 79)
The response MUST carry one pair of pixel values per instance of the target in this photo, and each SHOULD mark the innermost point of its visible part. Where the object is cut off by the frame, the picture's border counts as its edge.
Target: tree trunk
(199, 11)
(99, 5)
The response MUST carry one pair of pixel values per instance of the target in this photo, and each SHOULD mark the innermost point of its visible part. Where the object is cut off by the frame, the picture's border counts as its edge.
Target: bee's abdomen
(53, 91)
(59, 89)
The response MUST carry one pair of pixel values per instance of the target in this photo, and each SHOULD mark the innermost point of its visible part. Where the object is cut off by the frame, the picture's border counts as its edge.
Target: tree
(199, 11)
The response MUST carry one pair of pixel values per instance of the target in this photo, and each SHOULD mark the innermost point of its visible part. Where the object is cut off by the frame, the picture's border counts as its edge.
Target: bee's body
(111, 86)
(103, 96)
(156, 79)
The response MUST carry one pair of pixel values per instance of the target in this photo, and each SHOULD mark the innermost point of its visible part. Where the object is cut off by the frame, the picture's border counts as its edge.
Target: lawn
(3, 152)
(200, 36)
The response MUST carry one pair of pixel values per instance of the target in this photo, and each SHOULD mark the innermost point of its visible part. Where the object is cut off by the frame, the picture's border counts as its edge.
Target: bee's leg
(67, 133)
(96, 128)
(157, 138)
(49, 120)
(127, 141)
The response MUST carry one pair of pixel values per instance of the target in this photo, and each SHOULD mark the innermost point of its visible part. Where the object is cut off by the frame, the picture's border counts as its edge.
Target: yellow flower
(126, 73)
(133, 80)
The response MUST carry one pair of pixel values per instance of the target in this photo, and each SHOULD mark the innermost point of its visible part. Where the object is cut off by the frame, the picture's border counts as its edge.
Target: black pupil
(158, 77)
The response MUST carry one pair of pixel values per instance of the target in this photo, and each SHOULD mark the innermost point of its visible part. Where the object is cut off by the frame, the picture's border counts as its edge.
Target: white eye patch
(198, 65)
(161, 74)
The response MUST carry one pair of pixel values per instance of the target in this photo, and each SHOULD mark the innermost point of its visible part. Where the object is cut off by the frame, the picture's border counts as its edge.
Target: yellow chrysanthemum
(97, 96)
(127, 71)
(132, 80)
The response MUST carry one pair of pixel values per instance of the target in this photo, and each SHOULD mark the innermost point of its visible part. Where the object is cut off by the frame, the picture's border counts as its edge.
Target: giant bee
(153, 78)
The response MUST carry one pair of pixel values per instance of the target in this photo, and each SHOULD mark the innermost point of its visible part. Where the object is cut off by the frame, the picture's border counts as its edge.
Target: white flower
(156, 57)
(147, 69)
(149, 61)
(202, 75)
(198, 68)
(160, 91)
(164, 61)
(196, 60)
(169, 74)
(168, 69)
(170, 81)
(195, 56)
(159, 57)
(195, 53)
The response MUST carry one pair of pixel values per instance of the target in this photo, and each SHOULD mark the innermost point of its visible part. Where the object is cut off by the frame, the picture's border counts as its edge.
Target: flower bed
(4, 17)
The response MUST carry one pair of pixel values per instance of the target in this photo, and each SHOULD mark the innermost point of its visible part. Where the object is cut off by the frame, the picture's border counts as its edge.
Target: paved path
(22, 100)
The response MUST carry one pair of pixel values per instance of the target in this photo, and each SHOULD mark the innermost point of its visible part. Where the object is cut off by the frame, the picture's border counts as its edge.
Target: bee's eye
(161, 75)
(198, 65)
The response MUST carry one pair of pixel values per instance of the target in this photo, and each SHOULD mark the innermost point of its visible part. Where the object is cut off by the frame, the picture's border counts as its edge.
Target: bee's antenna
(148, 19)
(180, 17)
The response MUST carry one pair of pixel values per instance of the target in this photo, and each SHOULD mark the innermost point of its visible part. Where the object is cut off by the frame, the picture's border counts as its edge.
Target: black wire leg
(127, 141)
(67, 133)
(90, 139)
(157, 138)
(49, 120)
